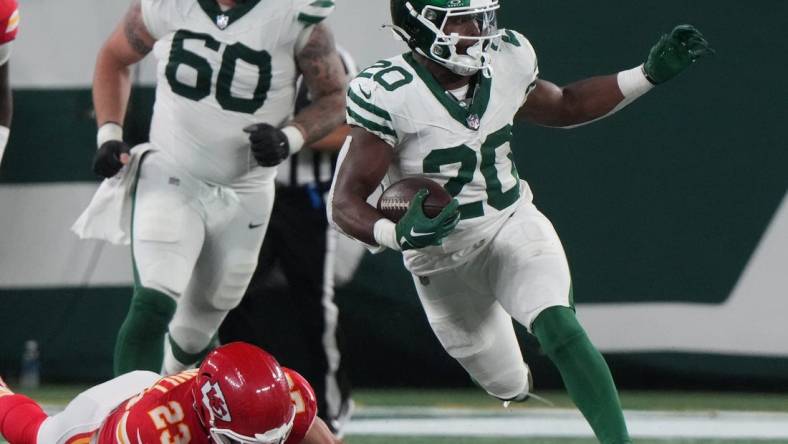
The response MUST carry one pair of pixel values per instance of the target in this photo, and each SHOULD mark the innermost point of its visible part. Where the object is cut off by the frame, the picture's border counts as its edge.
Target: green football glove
(674, 52)
(416, 230)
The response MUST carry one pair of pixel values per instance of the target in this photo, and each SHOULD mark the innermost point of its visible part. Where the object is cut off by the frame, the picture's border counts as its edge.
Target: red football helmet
(242, 396)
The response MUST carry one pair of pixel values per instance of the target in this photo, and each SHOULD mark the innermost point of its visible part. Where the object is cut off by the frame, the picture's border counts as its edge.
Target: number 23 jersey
(464, 146)
(165, 413)
(220, 71)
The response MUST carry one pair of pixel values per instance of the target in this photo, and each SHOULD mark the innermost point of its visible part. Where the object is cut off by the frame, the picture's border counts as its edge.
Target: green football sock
(140, 343)
(584, 371)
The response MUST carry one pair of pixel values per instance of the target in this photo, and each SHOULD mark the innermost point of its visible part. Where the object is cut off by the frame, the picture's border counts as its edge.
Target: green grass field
(375, 404)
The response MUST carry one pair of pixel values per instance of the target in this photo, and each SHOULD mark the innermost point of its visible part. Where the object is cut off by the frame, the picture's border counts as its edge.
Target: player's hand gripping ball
(394, 201)
(424, 212)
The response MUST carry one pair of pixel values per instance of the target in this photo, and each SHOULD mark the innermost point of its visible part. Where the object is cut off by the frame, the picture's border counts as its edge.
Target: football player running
(445, 111)
(195, 202)
(239, 395)
(9, 25)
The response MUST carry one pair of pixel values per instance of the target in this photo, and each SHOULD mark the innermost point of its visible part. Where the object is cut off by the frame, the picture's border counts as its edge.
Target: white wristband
(109, 131)
(294, 138)
(633, 83)
(4, 133)
(386, 234)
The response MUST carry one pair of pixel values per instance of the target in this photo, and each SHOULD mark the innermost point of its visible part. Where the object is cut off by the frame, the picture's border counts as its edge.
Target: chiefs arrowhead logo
(213, 399)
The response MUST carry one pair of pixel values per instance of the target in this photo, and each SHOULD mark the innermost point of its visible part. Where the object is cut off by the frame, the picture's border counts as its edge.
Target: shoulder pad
(368, 104)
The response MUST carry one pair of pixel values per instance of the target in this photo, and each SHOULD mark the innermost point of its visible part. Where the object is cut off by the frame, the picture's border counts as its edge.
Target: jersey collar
(471, 116)
(223, 19)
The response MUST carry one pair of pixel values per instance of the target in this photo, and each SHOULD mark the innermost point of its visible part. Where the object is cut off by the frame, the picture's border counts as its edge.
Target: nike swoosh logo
(415, 233)
(253, 226)
(368, 95)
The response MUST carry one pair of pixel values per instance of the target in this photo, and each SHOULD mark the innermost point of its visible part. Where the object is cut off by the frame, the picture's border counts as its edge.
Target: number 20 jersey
(220, 71)
(463, 146)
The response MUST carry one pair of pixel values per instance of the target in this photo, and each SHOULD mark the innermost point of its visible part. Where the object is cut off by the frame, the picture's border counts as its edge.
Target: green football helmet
(421, 24)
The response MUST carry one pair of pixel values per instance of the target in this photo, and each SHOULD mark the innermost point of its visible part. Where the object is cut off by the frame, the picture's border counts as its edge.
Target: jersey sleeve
(366, 108)
(524, 58)
(312, 12)
(9, 20)
(158, 16)
(303, 397)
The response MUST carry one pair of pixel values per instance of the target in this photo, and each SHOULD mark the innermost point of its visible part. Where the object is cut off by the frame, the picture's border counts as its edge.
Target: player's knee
(505, 383)
(168, 273)
(233, 285)
(460, 343)
(557, 327)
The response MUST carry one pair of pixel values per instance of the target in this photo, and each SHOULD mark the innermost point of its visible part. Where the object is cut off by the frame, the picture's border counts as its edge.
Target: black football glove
(106, 161)
(269, 144)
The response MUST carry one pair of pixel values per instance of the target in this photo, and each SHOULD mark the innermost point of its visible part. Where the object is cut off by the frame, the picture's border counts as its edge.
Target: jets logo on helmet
(422, 25)
(213, 399)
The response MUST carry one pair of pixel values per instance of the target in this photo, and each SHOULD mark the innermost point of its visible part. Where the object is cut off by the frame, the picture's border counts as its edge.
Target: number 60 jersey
(220, 71)
(463, 145)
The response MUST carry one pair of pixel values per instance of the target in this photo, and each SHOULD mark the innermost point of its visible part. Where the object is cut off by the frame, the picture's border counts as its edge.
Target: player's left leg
(474, 329)
(531, 279)
(221, 275)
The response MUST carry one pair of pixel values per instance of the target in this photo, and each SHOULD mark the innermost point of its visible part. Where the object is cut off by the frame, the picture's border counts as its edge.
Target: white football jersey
(463, 145)
(220, 71)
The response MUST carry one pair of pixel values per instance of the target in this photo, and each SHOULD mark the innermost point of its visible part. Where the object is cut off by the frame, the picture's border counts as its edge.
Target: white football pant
(198, 243)
(522, 271)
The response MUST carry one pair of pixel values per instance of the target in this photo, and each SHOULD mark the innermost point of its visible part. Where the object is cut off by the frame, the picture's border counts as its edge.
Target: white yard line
(565, 423)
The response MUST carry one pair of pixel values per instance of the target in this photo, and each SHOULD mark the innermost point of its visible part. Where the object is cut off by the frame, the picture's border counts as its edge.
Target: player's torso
(162, 413)
(217, 73)
(465, 146)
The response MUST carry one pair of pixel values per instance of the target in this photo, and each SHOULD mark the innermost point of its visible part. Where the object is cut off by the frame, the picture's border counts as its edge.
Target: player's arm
(358, 175)
(325, 76)
(360, 172)
(597, 97)
(129, 43)
(333, 141)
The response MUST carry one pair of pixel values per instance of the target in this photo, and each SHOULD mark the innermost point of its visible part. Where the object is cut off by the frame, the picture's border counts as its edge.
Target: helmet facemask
(443, 49)
(274, 436)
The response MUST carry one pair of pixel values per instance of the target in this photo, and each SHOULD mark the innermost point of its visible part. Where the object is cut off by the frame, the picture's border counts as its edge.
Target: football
(394, 201)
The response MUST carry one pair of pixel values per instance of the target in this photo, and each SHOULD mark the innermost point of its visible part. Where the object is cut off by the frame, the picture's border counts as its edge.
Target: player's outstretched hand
(674, 52)
(416, 230)
(269, 144)
(110, 158)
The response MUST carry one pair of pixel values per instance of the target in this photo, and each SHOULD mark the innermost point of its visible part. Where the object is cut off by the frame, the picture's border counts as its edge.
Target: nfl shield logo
(474, 122)
(222, 21)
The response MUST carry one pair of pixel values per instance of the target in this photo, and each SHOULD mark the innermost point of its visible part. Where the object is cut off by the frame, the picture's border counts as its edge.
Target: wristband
(4, 133)
(109, 131)
(385, 232)
(295, 138)
(633, 83)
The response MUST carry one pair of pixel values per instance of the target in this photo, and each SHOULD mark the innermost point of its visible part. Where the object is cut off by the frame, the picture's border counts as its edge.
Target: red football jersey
(165, 413)
(9, 20)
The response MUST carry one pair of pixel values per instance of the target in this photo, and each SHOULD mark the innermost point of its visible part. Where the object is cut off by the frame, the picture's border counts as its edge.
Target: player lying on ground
(445, 111)
(239, 394)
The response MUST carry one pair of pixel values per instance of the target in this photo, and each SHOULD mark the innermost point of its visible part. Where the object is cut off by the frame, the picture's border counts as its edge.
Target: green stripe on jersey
(380, 112)
(370, 125)
(310, 19)
(322, 4)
